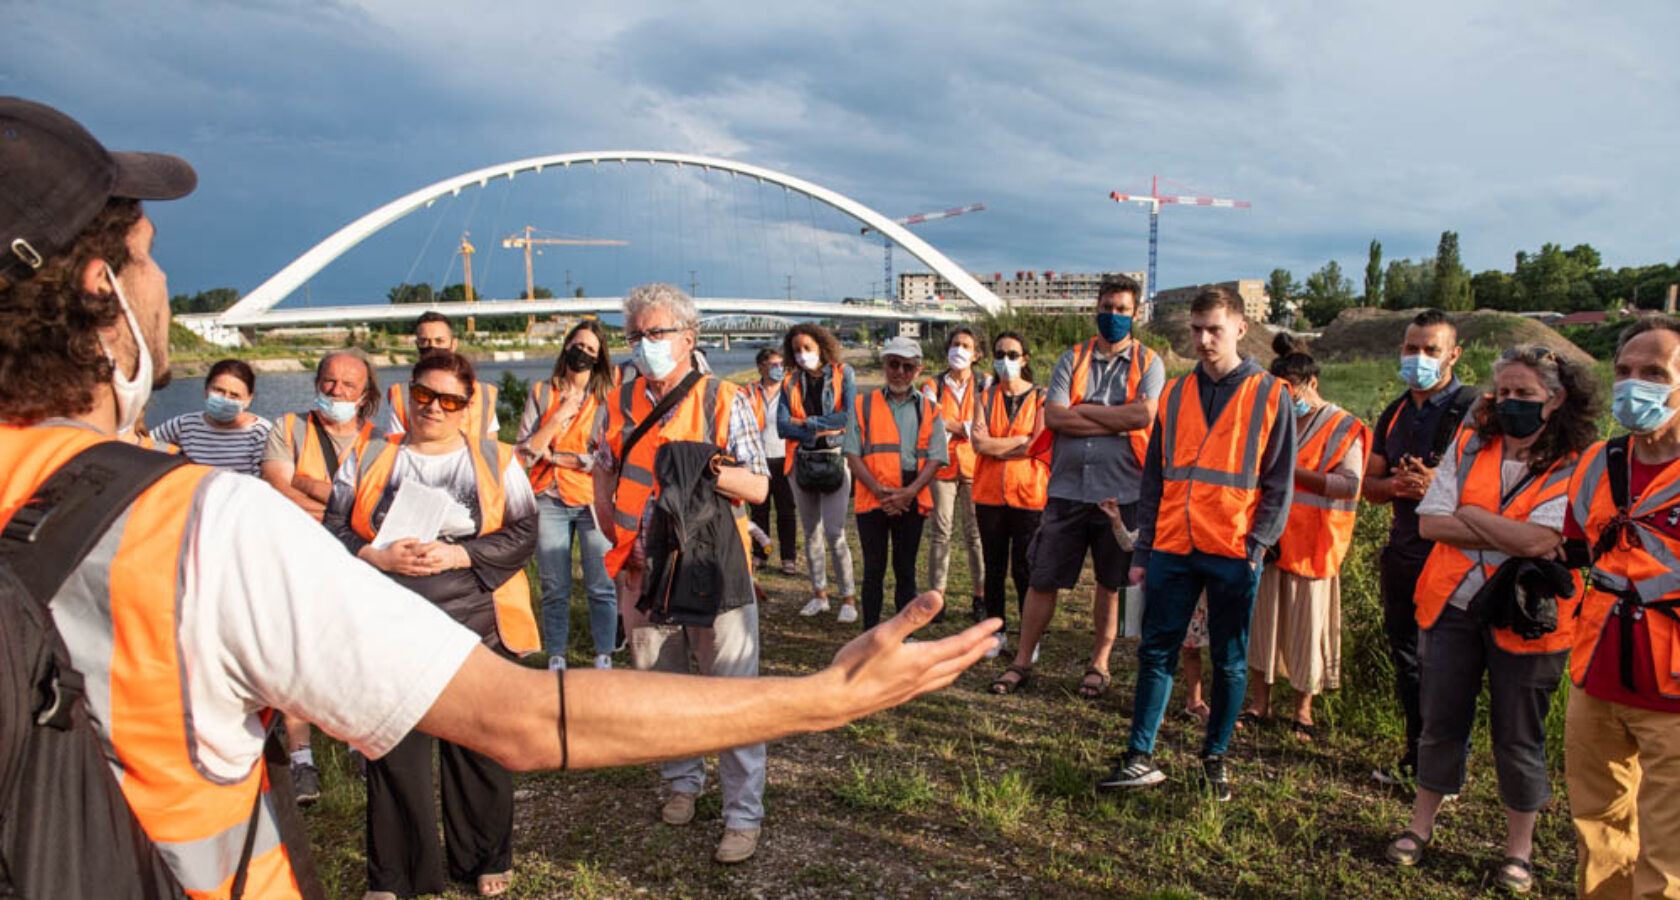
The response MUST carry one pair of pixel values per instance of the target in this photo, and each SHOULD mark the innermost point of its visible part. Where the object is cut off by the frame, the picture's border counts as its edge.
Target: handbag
(820, 469)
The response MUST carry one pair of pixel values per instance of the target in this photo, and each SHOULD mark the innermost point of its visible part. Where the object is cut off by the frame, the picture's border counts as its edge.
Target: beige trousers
(950, 498)
(1622, 765)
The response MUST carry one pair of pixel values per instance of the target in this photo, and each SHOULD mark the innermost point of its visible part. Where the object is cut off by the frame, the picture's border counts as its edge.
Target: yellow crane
(466, 250)
(524, 240)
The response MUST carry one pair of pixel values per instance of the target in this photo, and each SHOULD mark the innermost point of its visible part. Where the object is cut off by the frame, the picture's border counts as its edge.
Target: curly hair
(51, 359)
(1572, 427)
(828, 346)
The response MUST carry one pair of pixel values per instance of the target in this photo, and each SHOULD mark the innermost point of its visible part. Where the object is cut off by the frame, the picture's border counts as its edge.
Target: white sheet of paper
(416, 511)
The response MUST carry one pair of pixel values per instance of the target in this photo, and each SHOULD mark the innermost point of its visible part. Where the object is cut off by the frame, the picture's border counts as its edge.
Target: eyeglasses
(635, 337)
(902, 365)
(423, 396)
(1007, 354)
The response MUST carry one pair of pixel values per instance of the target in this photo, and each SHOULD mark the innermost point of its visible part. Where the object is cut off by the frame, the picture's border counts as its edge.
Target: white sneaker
(997, 646)
(556, 662)
(848, 613)
(817, 605)
(603, 660)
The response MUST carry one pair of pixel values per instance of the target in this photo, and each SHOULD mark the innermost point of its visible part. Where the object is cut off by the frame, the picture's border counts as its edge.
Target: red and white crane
(1153, 200)
(917, 219)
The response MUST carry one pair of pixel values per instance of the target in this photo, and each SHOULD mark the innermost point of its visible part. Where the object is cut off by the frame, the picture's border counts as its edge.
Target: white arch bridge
(257, 309)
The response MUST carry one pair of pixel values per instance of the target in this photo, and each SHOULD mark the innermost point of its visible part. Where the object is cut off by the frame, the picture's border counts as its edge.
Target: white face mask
(808, 360)
(1007, 369)
(959, 357)
(131, 393)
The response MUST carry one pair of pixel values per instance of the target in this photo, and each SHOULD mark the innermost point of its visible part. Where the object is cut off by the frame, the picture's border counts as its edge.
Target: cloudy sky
(1511, 123)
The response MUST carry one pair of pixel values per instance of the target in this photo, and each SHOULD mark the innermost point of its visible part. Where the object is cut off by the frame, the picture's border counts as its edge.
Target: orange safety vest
(1024, 482)
(794, 396)
(125, 601)
(1210, 477)
(1142, 359)
(703, 415)
(760, 402)
(1646, 562)
(514, 621)
(576, 488)
(481, 410)
(880, 445)
(1319, 530)
(1449, 567)
(308, 456)
(953, 410)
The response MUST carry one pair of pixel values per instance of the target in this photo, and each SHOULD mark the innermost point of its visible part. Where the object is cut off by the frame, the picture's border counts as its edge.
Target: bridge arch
(251, 308)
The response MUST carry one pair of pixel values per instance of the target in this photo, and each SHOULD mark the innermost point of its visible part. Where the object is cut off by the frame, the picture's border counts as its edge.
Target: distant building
(1257, 304)
(1047, 291)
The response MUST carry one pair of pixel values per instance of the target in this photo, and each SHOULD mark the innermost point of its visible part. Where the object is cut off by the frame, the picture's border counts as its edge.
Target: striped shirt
(238, 449)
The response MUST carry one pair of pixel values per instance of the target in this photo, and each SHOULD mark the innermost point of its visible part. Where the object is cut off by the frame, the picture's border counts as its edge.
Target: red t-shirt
(1604, 677)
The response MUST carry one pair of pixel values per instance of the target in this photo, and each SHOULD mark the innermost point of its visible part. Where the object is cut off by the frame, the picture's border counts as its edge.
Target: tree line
(1553, 279)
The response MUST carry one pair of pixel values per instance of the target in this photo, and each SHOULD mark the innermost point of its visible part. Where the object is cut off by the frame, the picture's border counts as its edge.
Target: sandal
(1515, 875)
(1088, 689)
(1003, 685)
(1199, 711)
(1306, 732)
(1402, 856)
(494, 884)
(1248, 718)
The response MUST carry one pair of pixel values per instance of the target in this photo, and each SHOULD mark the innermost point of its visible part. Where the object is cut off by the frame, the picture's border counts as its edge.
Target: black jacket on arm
(697, 565)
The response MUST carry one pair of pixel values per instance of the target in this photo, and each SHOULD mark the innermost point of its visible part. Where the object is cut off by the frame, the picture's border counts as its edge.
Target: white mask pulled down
(131, 393)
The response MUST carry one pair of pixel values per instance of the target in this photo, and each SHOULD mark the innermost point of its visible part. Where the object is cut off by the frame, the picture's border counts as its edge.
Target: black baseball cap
(55, 178)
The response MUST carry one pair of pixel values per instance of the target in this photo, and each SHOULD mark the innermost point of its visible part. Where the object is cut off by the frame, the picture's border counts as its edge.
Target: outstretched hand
(878, 670)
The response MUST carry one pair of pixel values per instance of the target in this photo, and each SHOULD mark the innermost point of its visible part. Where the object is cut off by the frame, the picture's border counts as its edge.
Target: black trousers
(1399, 574)
(876, 530)
(1005, 532)
(787, 520)
(402, 836)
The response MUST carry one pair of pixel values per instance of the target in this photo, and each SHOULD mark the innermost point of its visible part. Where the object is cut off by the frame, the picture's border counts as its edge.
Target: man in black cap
(214, 599)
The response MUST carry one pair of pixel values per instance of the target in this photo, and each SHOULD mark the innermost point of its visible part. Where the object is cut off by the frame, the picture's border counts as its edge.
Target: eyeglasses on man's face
(659, 334)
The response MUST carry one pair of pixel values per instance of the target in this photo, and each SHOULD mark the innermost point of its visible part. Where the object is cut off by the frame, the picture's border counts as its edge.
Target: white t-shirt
(774, 448)
(452, 472)
(1442, 500)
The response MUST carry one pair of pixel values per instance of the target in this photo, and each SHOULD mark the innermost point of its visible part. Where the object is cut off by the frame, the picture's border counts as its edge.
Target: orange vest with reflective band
(514, 621)
(1142, 358)
(793, 395)
(1647, 563)
(703, 415)
(302, 441)
(576, 488)
(1210, 475)
(760, 403)
(880, 447)
(1021, 483)
(1449, 568)
(481, 409)
(953, 410)
(125, 602)
(1320, 529)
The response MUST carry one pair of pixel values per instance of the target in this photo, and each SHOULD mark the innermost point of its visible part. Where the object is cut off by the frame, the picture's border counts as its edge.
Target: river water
(279, 393)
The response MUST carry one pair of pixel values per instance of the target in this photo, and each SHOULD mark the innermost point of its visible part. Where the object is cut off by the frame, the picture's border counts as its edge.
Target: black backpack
(65, 828)
(1446, 428)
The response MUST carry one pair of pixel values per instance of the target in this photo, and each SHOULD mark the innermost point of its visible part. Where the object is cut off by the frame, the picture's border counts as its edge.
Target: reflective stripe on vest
(879, 446)
(1141, 359)
(1456, 572)
(480, 410)
(309, 459)
(834, 380)
(119, 617)
(1210, 475)
(1319, 531)
(516, 625)
(951, 409)
(1022, 483)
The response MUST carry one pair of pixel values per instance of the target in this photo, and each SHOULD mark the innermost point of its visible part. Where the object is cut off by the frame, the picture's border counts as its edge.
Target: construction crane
(466, 251)
(1154, 200)
(524, 240)
(917, 219)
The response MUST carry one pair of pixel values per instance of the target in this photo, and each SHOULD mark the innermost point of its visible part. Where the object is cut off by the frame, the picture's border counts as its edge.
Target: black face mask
(578, 359)
(1519, 418)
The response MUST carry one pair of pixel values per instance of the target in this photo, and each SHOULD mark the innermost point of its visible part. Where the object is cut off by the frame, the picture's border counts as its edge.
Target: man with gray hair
(661, 324)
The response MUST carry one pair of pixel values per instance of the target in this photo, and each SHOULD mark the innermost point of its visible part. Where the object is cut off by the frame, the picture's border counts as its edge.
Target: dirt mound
(1174, 325)
(1364, 333)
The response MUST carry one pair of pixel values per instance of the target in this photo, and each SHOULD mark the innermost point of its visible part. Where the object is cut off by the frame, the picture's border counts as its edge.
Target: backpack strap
(1447, 427)
(1616, 470)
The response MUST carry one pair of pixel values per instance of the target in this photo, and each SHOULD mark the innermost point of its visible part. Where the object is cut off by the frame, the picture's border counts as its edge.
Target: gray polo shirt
(1089, 469)
(904, 415)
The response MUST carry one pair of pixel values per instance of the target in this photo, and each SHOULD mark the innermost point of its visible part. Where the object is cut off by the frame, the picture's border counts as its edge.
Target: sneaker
(678, 808)
(997, 646)
(738, 845)
(556, 663)
(848, 613)
(603, 660)
(1135, 769)
(1214, 779)
(817, 605)
(306, 784)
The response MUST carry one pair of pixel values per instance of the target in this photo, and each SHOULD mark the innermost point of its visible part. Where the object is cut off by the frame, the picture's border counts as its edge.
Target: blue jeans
(1170, 590)
(556, 523)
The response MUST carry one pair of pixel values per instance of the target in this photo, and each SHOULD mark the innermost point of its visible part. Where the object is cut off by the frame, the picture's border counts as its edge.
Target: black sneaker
(1213, 778)
(1133, 770)
(306, 783)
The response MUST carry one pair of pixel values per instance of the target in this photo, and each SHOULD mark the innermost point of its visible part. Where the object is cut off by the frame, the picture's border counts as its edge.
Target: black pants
(402, 842)
(787, 521)
(1005, 532)
(1399, 574)
(876, 530)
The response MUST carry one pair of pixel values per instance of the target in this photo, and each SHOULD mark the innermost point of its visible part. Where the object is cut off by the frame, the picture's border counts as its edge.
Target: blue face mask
(776, 373)
(1302, 407)
(222, 409)
(1641, 406)
(1113, 327)
(335, 411)
(1420, 371)
(654, 358)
